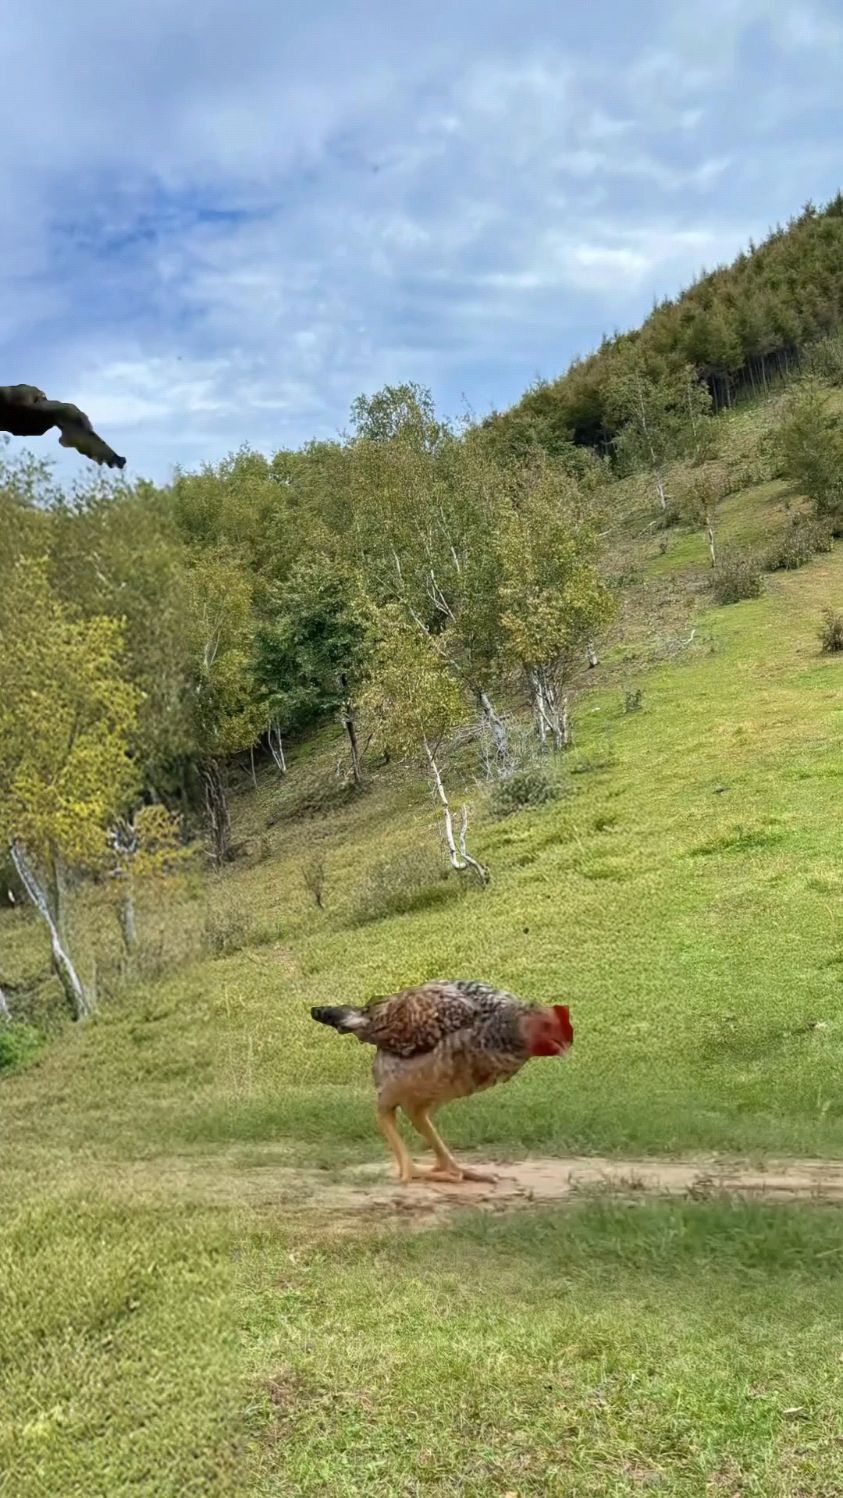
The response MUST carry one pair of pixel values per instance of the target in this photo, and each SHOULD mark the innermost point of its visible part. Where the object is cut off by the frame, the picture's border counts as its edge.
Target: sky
(225, 221)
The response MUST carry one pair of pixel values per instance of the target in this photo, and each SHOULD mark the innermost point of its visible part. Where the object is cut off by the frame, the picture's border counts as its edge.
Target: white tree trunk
(551, 716)
(565, 725)
(691, 413)
(709, 530)
(648, 438)
(276, 747)
(497, 729)
(441, 795)
(472, 863)
(558, 712)
(539, 711)
(539, 708)
(125, 842)
(128, 925)
(77, 999)
(5, 1011)
(591, 655)
(460, 858)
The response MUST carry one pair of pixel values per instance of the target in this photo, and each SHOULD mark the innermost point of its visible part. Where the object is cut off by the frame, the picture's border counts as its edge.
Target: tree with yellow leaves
(66, 716)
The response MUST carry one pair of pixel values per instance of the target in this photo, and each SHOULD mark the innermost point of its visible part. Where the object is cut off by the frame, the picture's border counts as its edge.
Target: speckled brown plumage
(444, 1040)
(417, 1019)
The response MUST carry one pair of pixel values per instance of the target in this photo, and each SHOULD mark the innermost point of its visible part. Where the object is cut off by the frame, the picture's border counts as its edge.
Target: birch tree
(415, 703)
(433, 503)
(554, 599)
(703, 491)
(66, 719)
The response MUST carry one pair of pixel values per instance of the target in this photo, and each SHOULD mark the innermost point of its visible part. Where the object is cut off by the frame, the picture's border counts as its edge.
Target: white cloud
(228, 222)
(611, 258)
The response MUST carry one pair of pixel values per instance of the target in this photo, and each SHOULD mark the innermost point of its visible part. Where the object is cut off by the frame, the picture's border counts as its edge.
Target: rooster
(442, 1041)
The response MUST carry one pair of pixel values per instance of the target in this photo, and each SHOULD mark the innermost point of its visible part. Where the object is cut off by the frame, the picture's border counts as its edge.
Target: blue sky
(225, 221)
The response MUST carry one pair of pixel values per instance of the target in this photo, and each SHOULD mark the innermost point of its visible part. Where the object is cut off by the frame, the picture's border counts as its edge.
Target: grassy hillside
(163, 1333)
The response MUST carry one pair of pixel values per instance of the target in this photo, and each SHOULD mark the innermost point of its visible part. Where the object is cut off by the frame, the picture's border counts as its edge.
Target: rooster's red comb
(563, 1014)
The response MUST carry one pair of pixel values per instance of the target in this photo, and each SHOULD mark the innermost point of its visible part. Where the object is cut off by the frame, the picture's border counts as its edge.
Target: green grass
(609, 1352)
(686, 898)
(120, 1340)
(170, 1349)
(743, 523)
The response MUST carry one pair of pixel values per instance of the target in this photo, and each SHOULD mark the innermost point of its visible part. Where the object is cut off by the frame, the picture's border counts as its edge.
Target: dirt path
(549, 1181)
(370, 1190)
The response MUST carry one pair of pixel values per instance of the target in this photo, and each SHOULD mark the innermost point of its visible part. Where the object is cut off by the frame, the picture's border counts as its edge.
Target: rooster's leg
(446, 1167)
(407, 1171)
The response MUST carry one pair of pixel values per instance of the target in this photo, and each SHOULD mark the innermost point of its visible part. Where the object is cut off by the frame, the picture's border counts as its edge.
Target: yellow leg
(446, 1167)
(386, 1123)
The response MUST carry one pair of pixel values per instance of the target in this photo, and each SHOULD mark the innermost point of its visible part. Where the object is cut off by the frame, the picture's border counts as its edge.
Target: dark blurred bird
(446, 1040)
(25, 411)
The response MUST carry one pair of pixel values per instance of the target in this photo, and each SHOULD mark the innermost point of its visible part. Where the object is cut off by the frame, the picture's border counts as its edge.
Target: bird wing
(417, 1019)
(25, 411)
(76, 431)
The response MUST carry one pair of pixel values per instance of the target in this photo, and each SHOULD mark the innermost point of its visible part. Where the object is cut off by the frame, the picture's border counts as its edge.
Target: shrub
(529, 785)
(668, 518)
(605, 822)
(735, 579)
(313, 791)
(632, 701)
(415, 879)
(804, 539)
(19, 1043)
(313, 878)
(10, 884)
(749, 447)
(810, 440)
(226, 931)
(831, 632)
(824, 359)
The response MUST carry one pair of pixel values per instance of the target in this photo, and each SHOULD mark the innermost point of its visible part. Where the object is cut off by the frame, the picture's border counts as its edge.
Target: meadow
(168, 1329)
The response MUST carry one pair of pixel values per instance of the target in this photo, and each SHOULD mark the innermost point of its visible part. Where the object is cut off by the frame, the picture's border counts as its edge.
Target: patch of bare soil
(545, 1182)
(361, 1191)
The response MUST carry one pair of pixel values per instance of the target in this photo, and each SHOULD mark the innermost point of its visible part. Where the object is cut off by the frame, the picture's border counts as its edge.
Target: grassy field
(161, 1333)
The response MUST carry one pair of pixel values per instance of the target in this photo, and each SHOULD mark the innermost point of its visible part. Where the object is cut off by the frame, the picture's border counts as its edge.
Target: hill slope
(741, 327)
(165, 1331)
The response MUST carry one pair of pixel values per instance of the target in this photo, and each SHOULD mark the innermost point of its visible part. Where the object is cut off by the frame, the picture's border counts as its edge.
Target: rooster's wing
(417, 1019)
